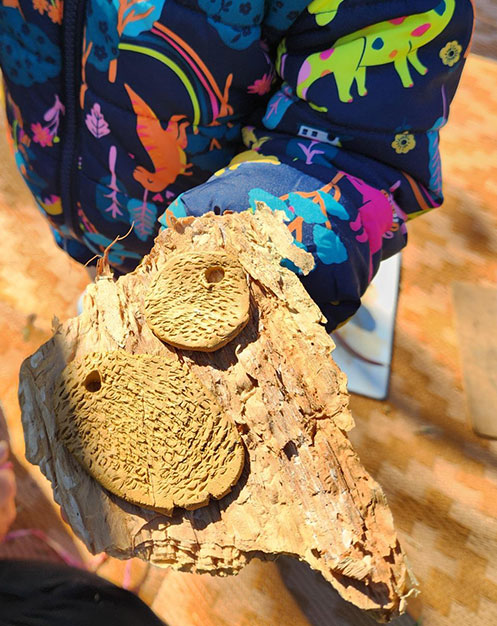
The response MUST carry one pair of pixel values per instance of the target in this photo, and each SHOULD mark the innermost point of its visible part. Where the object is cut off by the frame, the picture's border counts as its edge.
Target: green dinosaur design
(324, 10)
(394, 41)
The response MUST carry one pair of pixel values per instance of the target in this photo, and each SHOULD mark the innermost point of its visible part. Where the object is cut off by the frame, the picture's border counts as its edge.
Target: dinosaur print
(374, 217)
(324, 10)
(166, 148)
(394, 41)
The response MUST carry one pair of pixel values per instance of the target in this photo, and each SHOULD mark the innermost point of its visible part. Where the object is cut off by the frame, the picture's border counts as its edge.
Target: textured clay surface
(199, 301)
(147, 430)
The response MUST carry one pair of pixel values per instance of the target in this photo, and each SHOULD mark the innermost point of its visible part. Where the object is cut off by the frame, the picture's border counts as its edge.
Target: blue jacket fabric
(127, 112)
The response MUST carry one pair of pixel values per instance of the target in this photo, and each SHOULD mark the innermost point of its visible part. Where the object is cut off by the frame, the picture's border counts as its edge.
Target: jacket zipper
(72, 43)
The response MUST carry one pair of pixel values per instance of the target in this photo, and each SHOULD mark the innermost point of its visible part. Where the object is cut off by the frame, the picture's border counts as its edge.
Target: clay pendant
(147, 430)
(199, 301)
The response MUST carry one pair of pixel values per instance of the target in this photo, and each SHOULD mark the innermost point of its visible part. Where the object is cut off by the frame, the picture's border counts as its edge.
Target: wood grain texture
(303, 491)
(485, 37)
(476, 316)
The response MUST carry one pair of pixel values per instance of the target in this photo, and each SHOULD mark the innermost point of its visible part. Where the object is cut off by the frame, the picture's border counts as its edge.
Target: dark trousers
(34, 593)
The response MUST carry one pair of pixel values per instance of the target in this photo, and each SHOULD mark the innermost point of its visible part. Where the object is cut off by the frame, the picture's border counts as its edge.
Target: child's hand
(7, 491)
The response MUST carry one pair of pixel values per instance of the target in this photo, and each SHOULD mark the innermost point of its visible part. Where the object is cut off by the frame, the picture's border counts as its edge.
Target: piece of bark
(303, 491)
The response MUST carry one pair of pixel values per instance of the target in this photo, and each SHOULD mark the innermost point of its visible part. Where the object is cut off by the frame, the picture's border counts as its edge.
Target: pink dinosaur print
(375, 217)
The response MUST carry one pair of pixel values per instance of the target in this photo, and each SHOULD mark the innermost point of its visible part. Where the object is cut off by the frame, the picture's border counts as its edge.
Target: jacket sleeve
(348, 144)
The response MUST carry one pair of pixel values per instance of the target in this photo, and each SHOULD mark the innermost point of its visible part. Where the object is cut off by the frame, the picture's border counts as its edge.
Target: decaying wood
(303, 491)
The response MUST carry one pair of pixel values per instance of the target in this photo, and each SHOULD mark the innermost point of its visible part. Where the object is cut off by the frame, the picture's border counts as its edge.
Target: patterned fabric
(123, 111)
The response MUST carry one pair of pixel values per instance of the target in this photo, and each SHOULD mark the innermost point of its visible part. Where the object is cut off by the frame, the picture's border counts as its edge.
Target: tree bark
(303, 491)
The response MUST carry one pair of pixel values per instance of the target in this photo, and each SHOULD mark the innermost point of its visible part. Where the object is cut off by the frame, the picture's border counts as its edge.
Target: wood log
(303, 491)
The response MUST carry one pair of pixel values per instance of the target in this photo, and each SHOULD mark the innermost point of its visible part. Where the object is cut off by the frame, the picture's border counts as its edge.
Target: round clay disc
(199, 301)
(147, 430)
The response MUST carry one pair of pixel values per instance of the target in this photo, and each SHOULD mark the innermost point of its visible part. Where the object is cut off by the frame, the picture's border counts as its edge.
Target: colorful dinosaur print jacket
(132, 111)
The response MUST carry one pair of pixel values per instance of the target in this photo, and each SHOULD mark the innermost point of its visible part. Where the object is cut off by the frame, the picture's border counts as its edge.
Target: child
(124, 111)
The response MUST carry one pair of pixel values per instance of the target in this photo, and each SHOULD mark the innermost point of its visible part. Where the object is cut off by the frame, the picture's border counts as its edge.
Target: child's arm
(348, 147)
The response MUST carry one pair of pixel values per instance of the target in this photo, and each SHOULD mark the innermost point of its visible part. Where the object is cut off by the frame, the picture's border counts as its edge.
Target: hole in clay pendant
(214, 274)
(93, 381)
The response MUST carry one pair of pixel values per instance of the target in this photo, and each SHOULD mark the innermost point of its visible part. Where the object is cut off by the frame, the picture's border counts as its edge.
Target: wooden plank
(476, 316)
(485, 38)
